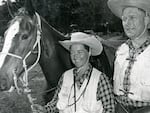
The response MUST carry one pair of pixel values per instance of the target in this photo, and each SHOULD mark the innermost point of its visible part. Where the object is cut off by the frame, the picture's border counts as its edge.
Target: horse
(29, 40)
(19, 40)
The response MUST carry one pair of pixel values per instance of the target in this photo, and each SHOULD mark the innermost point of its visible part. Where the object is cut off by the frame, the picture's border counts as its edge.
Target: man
(82, 89)
(132, 64)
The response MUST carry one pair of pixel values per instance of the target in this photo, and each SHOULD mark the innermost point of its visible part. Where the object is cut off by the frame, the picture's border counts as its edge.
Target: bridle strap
(37, 43)
(27, 90)
(10, 54)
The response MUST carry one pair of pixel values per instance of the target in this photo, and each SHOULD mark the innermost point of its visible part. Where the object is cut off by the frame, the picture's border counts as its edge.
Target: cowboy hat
(86, 39)
(117, 6)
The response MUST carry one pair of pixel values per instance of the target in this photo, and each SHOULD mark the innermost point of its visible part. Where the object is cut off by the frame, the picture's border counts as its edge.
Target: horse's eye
(24, 37)
(17, 35)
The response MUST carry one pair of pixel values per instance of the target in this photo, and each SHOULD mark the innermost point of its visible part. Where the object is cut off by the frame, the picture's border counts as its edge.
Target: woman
(82, 89)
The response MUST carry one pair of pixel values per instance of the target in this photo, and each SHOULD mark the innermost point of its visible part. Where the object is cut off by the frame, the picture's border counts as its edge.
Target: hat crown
(79, 36)
(116, 5)
(85, 39)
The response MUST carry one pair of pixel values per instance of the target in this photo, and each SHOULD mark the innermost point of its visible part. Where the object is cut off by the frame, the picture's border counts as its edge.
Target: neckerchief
(80, 79)
(133, 53)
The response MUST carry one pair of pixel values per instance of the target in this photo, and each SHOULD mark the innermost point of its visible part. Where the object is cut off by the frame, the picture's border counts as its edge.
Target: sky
(3, 1)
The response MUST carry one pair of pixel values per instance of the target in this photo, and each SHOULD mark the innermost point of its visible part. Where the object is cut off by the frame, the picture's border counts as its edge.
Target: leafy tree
(87, 14)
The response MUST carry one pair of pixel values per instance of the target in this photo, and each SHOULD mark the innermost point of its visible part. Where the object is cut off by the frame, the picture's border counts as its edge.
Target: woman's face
(79, 55)
(133, 22)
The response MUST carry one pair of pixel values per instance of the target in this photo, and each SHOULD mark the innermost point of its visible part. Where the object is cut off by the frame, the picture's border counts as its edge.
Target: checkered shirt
(104, 93)
(133, 53)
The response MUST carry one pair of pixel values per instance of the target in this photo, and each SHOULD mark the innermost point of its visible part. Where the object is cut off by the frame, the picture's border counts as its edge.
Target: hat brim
(94, 44)
(117, 6)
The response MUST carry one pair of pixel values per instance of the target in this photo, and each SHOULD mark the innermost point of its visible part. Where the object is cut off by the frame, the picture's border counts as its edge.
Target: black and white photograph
(74, 56)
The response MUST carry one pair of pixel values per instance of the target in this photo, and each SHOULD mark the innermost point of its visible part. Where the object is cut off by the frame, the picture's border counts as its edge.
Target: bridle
(25, 77)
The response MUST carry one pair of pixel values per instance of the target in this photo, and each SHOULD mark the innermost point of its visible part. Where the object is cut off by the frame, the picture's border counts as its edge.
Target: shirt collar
(86, 74)
(131, 47)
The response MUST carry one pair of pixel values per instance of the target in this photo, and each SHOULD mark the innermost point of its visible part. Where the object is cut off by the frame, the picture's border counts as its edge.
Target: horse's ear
(35, 20)
(29, 7)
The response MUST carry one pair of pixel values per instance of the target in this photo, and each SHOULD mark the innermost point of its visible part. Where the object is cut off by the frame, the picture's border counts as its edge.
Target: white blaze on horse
(11, 32)
(2, 2)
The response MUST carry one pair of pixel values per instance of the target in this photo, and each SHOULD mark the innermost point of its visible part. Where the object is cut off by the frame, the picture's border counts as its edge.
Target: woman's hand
(61, 105)
(36, 108)
(92, 107)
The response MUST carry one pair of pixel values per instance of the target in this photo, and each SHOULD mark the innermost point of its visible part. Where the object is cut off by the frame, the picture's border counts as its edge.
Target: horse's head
(18, 48)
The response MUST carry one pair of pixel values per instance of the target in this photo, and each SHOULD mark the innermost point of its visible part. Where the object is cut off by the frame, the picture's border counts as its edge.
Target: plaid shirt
(133, 53)
(104, 93)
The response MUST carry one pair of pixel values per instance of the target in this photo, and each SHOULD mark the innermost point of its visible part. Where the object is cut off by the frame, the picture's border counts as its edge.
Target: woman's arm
(51, 106)
(105, 94)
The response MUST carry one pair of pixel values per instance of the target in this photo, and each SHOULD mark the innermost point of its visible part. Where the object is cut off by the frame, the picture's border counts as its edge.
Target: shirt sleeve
(105, 94)
(51, 106)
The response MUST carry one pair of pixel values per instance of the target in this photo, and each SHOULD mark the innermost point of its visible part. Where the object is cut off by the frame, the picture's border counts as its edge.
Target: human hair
(85, 46)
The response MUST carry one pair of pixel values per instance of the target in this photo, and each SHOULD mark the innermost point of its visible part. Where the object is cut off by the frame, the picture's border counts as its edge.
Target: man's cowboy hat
(117, 6)
(86, 39)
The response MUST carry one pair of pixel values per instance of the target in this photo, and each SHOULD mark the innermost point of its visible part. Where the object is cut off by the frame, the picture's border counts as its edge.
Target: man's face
(133, 22)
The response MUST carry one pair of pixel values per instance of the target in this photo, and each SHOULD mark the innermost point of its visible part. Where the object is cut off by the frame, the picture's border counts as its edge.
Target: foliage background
(86, 14)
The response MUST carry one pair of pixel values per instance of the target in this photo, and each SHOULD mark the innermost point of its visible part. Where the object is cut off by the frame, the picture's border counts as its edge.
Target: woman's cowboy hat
(117, 6)
(86, 39)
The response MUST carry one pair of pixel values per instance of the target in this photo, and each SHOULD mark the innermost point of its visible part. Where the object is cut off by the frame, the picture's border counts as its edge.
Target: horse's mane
(50, 46)
(60, 35)
(51, 26)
